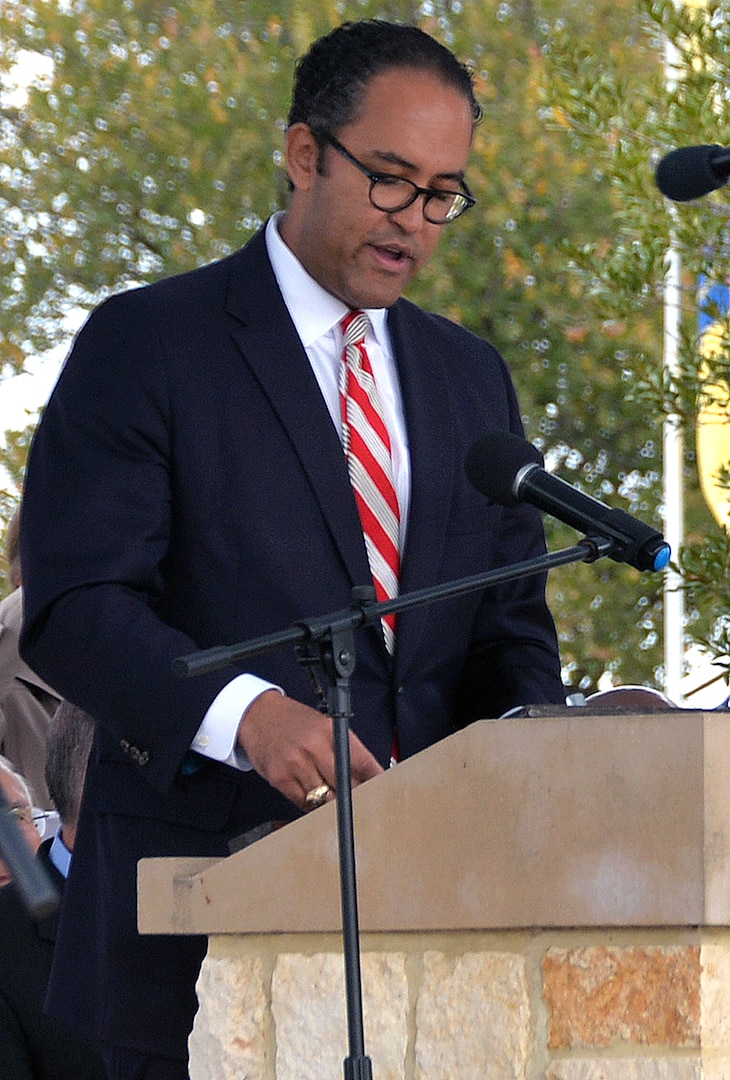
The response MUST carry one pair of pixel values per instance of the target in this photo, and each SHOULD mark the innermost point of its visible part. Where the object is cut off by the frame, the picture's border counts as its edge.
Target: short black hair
(332, 76)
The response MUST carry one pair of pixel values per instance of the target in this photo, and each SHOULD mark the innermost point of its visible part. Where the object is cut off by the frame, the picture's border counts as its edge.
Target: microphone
(509, 470)
(692, 171)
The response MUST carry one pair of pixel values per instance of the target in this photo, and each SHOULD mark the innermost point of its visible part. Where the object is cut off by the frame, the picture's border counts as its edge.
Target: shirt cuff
(217, 736)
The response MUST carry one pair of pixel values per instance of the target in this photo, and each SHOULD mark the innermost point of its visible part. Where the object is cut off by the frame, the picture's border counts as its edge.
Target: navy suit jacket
(187, 488)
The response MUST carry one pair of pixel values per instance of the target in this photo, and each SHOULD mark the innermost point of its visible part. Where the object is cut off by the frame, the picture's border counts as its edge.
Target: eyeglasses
(391, 193)
(31, 815)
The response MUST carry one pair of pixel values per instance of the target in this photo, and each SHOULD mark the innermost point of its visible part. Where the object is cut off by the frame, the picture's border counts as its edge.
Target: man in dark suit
(187, 488)
(34, 1046)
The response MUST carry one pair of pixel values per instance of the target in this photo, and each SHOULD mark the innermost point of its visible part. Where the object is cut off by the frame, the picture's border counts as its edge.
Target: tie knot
(354, 328)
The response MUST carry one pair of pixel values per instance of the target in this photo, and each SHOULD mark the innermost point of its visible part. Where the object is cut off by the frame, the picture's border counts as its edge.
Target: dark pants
(124, 1064)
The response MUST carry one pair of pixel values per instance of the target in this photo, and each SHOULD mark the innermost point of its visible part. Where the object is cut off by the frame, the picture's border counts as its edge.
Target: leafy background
(154, 141)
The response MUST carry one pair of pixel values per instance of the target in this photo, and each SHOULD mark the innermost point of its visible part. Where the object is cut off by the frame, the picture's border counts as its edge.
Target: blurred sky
(22, 395)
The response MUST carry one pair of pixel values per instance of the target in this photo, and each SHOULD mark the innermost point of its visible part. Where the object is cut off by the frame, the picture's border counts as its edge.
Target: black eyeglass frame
(428, 193)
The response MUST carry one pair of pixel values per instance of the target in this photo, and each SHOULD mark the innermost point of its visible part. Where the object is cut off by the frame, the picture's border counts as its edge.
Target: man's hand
(291, 746)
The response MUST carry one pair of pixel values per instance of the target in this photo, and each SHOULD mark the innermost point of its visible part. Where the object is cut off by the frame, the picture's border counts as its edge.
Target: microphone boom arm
(362, 613)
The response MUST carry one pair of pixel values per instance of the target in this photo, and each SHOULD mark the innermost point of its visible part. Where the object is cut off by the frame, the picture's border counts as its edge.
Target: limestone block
(228, 1038)
(625, 1069)
(308, 1007)
(643, 995)
(716, 997)
(715, 1068)
(472, 1018)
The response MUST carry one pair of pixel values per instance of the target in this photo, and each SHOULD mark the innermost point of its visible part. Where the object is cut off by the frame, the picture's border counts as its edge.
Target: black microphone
(509, 469)
(692, 171)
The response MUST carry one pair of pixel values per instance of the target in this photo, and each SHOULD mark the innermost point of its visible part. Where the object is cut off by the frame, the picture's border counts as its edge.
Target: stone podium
(540, 897)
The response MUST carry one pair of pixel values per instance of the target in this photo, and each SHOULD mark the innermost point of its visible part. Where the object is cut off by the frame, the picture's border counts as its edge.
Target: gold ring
(316, 797)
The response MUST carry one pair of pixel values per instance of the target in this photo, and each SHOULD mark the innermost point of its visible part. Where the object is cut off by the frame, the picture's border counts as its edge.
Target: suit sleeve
(95, 531)
(513, 655)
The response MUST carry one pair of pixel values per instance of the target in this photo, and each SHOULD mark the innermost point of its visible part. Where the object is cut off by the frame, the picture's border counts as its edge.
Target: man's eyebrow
(390, 158)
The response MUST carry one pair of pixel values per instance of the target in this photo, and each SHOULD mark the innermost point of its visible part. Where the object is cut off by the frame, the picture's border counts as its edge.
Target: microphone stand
(329, 641)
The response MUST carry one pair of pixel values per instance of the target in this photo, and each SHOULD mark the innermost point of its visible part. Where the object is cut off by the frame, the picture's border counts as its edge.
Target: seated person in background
(27, 703)
(34, 1046)
(20, 806)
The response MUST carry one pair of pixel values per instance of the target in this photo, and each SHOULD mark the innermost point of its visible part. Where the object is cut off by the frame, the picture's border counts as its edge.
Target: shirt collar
(313, 310)
(60, 855)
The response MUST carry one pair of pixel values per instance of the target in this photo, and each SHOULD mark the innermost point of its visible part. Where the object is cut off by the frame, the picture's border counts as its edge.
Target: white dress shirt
(316, 315)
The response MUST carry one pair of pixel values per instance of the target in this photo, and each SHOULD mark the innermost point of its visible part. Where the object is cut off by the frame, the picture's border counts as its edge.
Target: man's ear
(302, 155)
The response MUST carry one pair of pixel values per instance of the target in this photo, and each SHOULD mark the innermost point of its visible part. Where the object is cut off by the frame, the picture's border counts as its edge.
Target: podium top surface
(544, 821)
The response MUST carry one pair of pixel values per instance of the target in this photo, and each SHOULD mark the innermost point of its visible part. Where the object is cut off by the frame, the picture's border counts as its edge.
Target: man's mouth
(393, 254)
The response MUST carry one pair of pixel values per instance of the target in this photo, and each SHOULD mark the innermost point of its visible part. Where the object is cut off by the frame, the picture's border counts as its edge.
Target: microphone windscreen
(687, 173)
(494, 461)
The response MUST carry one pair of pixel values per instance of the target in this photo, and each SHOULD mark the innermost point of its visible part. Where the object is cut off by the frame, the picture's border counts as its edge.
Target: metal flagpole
(673, 458)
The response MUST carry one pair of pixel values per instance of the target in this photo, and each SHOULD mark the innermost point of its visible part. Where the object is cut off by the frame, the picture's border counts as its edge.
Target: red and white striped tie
(367, 448)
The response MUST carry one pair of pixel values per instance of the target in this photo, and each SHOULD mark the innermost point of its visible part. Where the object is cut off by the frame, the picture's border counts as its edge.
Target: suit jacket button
(140, 757)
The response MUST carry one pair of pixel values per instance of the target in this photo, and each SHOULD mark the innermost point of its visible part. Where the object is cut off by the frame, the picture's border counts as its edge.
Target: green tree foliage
(154, 144)
(540, 196)
(626, 129)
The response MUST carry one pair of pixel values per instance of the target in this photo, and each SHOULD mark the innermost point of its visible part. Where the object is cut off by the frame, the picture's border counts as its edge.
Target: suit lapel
(269, 344)
(426, 402)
